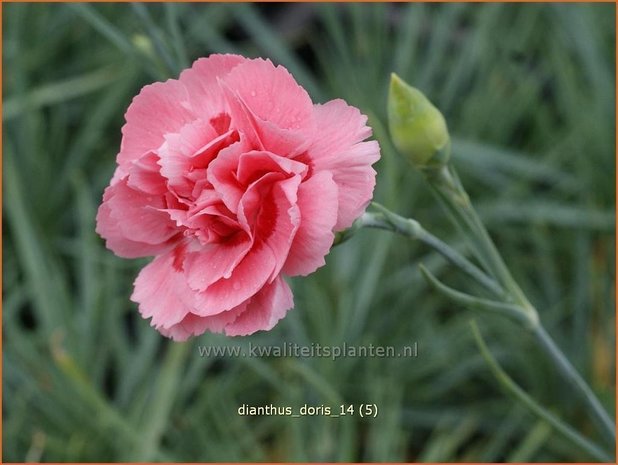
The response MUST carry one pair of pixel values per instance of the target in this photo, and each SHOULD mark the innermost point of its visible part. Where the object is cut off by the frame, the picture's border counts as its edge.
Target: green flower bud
(143, 44)
(417, 128)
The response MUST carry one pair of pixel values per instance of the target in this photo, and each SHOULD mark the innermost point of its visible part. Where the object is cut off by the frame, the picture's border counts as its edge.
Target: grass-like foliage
(528, 93)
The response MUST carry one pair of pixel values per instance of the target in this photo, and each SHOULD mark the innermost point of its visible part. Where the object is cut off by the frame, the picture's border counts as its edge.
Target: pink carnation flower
(232, 178)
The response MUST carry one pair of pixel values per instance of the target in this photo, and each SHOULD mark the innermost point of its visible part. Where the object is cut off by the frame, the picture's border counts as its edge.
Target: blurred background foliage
(528, 91)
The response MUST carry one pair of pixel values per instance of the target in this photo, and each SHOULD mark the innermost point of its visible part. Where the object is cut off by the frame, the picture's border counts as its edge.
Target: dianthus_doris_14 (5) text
(266, 410)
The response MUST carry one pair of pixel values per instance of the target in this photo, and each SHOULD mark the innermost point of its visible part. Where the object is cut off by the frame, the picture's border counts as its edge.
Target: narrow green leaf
(511, 310)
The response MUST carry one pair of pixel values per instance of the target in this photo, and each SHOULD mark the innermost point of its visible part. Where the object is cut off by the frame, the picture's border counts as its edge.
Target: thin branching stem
(513, 303)
(412, 229)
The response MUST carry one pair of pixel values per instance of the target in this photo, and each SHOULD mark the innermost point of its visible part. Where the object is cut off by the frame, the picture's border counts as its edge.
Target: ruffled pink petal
(271, 93)
(144, 175)
(255, 199)
(177, 153)
(194, 325)
(340, 126)
(340, 149)
(215, 261)
(245, 281)
(278, 220)
(138, 216)
(264, 134)
(161, 291)
(355, 183)
(214, 225)
(159, 109)
(201, 80)
(255, 164)
(108, 228)
(131, 224)
(317, 201)
(222, 174)
(268, 209)
(264, 310)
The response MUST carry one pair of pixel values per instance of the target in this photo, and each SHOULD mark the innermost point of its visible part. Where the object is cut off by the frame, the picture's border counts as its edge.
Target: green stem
(512, 388)
(450, 191)
(604, 422)
(446, 183)
(412, 229)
